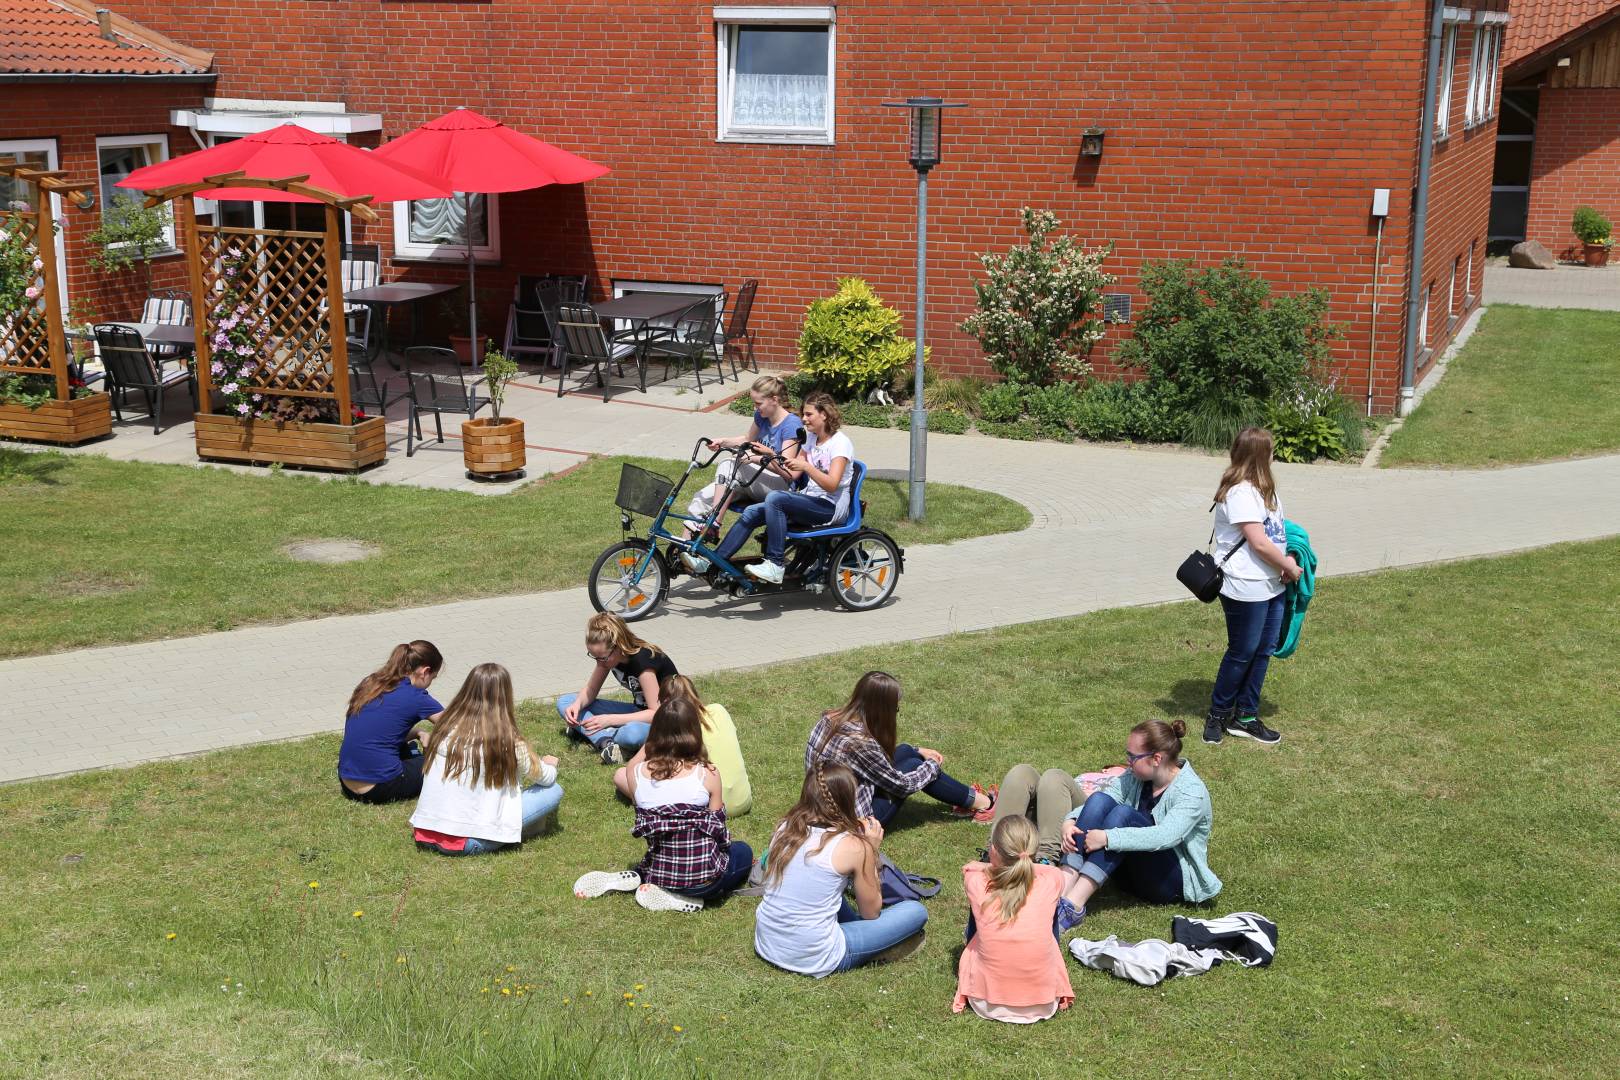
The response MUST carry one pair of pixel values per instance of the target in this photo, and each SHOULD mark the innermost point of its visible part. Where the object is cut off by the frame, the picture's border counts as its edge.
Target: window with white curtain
(438, 228)
(775, 73)
(1482, 82)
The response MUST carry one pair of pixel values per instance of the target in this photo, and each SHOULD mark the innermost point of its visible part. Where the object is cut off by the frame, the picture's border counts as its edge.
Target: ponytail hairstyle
(823, 403)
(679, 686)
(771, 386)
(401, 662)
(1014, 839)
(675, 740)
(478, 734)
(606, 628)
(827, 801)
(1251, 463)
(874, 708)
(1160, 737)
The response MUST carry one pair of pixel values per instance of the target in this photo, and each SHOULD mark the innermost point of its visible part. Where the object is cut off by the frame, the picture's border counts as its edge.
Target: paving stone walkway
(1110, 526)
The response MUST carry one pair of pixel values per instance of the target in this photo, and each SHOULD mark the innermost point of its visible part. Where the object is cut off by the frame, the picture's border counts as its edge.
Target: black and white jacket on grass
(1200, 944)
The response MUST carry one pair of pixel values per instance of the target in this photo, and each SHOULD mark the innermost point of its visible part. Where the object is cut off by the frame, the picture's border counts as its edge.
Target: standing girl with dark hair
(1149, 828)
(616, 729)
(804, 924)
(862, 736)
(1250, 535)
(386, 714)
(473, 794)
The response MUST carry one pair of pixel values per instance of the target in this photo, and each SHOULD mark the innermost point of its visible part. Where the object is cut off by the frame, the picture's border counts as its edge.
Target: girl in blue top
(1149, 828)
(376, 763)
(775, 430)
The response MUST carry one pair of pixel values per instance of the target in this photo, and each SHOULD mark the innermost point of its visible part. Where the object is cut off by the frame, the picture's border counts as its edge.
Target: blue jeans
(1155, 876)
(944, 788)
(538, 804)
(629, 736)
(1252, 629)
(778, 509)
(865, 938)
(734, 876)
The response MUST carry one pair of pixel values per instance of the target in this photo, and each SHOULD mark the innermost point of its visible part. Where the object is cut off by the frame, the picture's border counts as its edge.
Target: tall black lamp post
(923, 153)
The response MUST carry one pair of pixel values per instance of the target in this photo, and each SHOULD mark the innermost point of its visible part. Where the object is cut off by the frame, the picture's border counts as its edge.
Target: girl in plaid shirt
(680, 814)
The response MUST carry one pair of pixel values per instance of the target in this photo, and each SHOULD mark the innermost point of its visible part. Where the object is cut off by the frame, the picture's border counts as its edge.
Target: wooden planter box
(493, 448)
(320, 446)
(63, 422)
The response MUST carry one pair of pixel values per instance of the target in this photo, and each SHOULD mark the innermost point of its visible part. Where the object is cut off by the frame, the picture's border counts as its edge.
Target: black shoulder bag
(1200, 572)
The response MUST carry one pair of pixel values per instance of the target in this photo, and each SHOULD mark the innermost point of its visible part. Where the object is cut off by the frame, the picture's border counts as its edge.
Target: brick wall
(1242, 129)
(75, 115)
(1576, 162)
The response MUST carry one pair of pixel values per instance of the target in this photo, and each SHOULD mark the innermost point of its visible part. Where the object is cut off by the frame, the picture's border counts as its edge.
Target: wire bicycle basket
(641, 491)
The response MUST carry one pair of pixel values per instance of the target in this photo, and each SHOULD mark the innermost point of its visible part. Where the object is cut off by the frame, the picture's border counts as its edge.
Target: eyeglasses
(599, 659)
(1132, 759)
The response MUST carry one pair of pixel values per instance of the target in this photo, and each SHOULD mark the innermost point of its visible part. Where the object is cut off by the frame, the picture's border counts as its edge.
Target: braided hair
(827, 801)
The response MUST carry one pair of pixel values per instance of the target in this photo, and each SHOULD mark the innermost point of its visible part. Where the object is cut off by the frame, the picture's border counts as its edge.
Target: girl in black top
(616, 728)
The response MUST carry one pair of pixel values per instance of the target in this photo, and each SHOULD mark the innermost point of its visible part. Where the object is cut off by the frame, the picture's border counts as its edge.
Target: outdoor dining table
(396, 294)
(644, 307)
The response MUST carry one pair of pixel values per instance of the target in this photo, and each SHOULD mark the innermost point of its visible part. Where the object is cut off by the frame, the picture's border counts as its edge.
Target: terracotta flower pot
(1596, 254)
(492, 448)
(461, 345)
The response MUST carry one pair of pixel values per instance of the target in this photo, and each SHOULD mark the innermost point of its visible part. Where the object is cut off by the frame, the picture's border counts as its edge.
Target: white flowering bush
(1040, 309)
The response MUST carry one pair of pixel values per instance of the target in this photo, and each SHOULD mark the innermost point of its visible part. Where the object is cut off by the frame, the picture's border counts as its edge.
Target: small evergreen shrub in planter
(1001, 403)
(851, 342)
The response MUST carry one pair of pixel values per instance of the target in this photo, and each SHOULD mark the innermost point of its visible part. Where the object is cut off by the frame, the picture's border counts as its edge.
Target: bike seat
(851, 524)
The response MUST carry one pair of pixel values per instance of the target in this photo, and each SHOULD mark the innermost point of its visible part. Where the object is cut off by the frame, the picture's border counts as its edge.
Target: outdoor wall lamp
(1091, 141)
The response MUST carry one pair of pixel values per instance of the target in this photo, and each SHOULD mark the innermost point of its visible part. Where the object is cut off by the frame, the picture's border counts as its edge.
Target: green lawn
(95, 551)
(1436, 838)
(1532, 384)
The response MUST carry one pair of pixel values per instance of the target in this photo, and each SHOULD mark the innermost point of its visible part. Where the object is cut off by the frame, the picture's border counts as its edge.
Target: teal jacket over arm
(1297, 597)
(1181, 821)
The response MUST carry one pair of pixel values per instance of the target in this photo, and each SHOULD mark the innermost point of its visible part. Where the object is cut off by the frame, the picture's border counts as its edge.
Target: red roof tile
(63, 37)
(1536, 24)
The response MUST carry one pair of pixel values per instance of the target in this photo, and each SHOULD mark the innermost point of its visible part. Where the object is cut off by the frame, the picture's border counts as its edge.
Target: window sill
(779, 140)
(458, 259)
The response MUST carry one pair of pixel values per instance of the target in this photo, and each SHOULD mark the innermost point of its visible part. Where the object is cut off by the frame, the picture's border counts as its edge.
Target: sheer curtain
(779, 101)
(439, 221)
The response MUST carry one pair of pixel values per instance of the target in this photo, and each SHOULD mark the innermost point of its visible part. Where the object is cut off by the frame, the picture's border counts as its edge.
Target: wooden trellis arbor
(32, 338)
(271, 333)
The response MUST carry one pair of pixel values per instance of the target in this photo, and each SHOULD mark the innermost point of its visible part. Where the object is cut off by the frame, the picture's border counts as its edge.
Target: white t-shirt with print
(1248, 577)
(822, 455)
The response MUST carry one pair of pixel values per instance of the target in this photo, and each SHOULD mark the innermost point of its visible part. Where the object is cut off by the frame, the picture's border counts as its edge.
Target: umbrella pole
(472, 275)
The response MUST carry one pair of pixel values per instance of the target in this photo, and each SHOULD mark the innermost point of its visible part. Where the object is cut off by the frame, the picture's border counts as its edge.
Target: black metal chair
(436, 392)
(365, 389)
(692, 341)
(361, 268)
(171, 307)
(585, 342)
(527, 328)
(736, 340)
(130, 365)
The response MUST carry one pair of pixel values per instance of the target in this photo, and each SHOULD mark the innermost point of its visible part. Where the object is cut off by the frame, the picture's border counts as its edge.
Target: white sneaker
(696, 564)
(598, 882)
(653, 898)
(768, 572)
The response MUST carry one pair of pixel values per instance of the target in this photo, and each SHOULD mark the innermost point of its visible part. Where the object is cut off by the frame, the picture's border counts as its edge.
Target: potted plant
(492, 446)
(130, 231)
(1593, 230)
(456, 321)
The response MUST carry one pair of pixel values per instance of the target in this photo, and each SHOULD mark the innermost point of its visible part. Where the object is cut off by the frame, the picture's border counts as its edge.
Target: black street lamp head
(923, 147)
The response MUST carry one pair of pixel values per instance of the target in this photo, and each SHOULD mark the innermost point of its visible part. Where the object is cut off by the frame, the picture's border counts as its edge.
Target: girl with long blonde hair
(719, 743)
(1250, 540)
(616, 729)
(775, 430)
(804, 924)
(484, 788)
(388, 712)
(1012, 969)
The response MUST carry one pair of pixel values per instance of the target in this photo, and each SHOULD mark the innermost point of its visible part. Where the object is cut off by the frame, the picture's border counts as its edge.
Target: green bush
(1102, 412)
(1317, 423)
(851, 341)
(941, 421)
(860, 414)
(959, 394)
(1150, 413)
(1001, 403)
(1056, 407)
(1590, 226)
(1219, 345)
(1023, 430)
(742, 406)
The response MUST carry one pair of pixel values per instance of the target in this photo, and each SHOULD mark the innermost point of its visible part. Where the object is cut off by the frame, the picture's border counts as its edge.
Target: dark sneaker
(1251, 728)
(1068, 917)
(1214, 728)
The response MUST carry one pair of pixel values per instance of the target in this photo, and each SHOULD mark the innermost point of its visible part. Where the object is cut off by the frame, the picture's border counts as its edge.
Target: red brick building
(1560, 141)
(750, 141)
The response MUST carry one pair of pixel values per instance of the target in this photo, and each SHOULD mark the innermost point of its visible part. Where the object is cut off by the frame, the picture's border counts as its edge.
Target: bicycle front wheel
(629, 580)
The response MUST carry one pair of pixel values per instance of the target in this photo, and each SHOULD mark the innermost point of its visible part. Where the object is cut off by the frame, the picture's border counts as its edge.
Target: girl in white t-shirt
(822, 477)
(1250, 536)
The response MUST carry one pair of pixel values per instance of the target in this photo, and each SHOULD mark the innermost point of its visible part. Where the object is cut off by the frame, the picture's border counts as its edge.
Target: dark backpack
(897, 885)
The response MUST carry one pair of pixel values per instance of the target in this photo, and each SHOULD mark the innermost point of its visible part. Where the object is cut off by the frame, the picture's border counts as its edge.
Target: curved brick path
(1118, 519)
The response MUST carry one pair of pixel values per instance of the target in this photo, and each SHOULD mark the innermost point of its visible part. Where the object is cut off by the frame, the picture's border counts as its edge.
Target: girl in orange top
(1012, 969)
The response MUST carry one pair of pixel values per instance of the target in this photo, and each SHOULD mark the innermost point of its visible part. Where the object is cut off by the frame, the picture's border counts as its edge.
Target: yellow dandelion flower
(170, 936)
(510, 969)
(314, 884)
(520, 993)
(399, 959)
(644, 1005)
(679, 1029)
(590, 993)
(565, 1001)
(641, 986)
(628, 995)
(506, 991)
(485, 990)
(359, 914)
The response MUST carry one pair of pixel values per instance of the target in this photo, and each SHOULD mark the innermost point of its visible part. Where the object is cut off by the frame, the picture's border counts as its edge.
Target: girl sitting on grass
(719, 743)
(473, 794)
(691, 856)
(386, 714)
(616, 729)
(1012, 969)
(804, 924)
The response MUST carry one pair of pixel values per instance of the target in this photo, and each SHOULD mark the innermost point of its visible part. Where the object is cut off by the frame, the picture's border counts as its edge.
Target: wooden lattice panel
(283, 278)
(25, 340)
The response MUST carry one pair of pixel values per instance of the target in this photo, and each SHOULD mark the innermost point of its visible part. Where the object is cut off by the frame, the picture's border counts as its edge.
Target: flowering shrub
(238, 342)
(20, 270)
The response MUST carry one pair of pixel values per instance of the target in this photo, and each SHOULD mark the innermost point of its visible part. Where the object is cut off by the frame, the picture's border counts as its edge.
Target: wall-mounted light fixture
(1091, 142)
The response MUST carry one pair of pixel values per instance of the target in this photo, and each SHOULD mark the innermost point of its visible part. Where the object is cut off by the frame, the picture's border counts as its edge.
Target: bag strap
(1241, 540)
(927, 887)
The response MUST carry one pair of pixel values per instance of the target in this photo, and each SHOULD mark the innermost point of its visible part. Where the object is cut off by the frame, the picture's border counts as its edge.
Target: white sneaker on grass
(768, 572)
(598, 882)
(653, 898)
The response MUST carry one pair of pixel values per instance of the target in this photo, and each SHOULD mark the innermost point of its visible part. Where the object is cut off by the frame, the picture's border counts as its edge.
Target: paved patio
(1566, 286)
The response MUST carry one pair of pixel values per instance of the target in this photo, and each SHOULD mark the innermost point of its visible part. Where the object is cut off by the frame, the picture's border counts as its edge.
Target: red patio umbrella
(290, 150)
(476, 155)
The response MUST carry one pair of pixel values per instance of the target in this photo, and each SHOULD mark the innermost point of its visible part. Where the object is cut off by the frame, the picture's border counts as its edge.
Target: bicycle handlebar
(737, 451)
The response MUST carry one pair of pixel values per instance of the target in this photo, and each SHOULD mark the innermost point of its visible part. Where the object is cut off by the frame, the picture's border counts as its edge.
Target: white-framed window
(41, 154)
(1423, 318)
(119, 155)
(1482, 80)
(441, 228)
(775, 73)
(1451, 293)
(1448, 70)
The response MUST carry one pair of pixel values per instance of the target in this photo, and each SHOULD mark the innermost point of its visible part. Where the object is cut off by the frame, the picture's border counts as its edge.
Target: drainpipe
(1420, 208)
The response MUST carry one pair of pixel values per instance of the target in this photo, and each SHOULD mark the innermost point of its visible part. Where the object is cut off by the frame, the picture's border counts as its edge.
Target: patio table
(647, 306)
(406, 293)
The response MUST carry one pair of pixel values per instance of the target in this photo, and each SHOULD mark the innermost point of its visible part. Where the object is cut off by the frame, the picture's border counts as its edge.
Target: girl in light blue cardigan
(1149, 829)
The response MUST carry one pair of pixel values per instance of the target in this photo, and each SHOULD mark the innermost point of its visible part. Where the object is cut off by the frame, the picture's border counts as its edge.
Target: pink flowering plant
(237, 347)
(22, 280)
